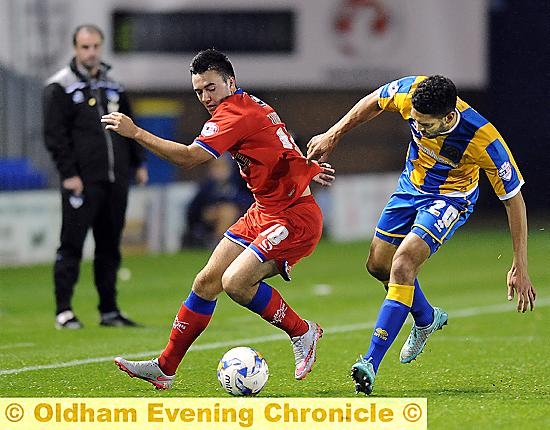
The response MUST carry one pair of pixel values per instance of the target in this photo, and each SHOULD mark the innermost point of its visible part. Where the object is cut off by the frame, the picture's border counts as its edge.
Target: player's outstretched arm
(186, 156)
(518, 279)
(320, 146)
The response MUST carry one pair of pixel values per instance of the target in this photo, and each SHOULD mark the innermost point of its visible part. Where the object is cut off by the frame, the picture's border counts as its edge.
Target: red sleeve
(222, 131)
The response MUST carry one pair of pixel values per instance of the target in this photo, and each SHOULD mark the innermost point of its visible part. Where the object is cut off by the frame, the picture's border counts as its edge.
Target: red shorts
(285, 237)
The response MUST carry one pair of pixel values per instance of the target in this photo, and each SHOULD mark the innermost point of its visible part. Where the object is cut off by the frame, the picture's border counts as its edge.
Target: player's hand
(326, 177)
(120, 123)
(319, 147)
(520, 284)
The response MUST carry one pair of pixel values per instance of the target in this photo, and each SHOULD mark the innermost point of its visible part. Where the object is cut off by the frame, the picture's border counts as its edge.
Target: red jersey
(270, 162)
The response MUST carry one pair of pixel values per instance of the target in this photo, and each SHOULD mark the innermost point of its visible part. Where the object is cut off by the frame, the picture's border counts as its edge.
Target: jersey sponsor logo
(450, 152)
(242, 161)
(209, 129)
(431, 153)
(505, 171)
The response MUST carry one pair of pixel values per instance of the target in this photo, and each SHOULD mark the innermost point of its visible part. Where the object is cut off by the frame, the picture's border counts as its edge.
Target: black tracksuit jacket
(74, 135)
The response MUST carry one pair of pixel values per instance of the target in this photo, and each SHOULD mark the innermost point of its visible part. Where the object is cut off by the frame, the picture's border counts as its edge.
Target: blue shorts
(432, 217)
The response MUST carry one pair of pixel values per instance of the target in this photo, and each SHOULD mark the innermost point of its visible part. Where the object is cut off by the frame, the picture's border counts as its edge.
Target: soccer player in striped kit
(283, 225)
(435, 195)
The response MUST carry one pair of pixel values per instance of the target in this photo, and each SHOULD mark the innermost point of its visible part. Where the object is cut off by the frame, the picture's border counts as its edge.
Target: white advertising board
(30, 223)
(356, 203)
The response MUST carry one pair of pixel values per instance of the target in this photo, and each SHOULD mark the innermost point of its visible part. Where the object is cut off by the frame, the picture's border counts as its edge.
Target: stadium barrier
(155, 221)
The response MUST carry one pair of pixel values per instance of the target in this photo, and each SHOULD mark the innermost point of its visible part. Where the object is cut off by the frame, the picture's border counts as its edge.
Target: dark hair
(90, 28)
(212, 59)
(435, 95)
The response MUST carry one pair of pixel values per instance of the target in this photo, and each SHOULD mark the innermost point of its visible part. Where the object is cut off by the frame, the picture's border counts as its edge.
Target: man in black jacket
(95, 168)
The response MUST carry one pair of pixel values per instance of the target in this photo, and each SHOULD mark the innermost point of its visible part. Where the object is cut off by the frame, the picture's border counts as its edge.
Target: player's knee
(233, 287)
(377, 270)
(403, 269)
(206, 285)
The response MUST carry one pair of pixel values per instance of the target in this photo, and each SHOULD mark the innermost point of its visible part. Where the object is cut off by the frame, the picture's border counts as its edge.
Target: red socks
(193, 317)
(195, 314)
(269, 304)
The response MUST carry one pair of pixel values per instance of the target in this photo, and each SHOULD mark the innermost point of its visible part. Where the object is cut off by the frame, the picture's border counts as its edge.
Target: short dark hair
(92, 28)
(435, 95)
(212, 59)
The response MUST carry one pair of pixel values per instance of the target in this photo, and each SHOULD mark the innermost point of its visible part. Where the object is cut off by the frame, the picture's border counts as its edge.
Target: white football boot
(305, 349)
(147, 370)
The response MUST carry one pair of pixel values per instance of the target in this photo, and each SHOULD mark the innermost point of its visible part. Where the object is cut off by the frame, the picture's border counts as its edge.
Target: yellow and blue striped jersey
(449, 163)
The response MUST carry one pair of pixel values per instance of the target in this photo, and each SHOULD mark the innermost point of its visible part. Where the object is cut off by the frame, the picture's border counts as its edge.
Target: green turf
(487, 369)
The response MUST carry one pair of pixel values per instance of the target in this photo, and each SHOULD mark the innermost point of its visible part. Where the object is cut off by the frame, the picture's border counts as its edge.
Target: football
(243, 371)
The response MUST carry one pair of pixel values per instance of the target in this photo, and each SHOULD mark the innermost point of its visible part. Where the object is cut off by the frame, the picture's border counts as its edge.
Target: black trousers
(102, 207)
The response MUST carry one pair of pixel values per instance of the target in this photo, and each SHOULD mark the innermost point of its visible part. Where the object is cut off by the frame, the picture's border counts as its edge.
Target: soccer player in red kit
(283, 225)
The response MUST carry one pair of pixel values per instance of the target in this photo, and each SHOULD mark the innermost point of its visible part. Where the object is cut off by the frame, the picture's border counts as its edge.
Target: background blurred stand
(20, 174)
(221, 199)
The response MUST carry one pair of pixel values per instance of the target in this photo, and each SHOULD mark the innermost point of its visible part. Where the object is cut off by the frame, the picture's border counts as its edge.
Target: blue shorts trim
(237, 239)
(282, 265)
(259, 254)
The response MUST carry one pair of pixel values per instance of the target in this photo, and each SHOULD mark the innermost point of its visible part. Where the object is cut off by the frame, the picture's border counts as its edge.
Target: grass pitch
(487, 369)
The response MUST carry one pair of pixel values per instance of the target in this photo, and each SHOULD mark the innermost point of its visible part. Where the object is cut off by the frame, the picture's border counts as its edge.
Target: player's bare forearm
(517, 220)
(174, 152)
(364, 110)
(320, 146)
(518, 277)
